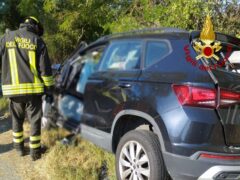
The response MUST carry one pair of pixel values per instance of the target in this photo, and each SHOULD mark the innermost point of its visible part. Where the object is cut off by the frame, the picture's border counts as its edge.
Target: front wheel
(139, 157)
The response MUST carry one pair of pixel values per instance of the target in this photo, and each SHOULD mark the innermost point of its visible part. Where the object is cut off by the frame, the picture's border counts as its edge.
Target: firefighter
(26, 76)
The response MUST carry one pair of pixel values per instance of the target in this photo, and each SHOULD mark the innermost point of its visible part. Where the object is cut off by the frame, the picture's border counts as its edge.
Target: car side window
(155, 51)
(89, 65)
(93, 55)
(122, 56)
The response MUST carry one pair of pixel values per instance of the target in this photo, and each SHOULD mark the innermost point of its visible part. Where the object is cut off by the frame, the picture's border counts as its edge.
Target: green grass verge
(3, 105)
(80, 162)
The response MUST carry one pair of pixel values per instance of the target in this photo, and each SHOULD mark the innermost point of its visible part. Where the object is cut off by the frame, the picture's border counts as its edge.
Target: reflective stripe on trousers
(35, 142)
(18, 137)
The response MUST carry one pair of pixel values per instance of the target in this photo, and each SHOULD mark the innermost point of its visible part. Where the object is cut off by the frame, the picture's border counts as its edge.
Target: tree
(75, 20)
(10, 16)
(68, 22)
(184, 14)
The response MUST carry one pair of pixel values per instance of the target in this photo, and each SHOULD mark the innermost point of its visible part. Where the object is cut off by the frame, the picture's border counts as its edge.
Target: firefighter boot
(35, 154)
(19, 148)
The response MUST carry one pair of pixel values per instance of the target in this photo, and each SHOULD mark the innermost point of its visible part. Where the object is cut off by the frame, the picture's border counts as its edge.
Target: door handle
(124, 85)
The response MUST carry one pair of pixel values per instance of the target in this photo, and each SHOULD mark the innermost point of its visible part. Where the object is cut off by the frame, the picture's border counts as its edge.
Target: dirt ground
(12, 166)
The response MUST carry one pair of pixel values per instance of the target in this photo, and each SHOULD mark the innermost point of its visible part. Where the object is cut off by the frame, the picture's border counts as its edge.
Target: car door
(71, 101)
(112, 85)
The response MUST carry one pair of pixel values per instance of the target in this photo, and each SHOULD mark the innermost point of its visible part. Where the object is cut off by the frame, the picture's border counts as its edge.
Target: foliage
(3, 105)
(183, 14)
(68, 22)
(74, 21)
(10, 16)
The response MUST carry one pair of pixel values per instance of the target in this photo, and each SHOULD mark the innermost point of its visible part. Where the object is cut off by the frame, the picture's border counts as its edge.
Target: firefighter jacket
(26, 68)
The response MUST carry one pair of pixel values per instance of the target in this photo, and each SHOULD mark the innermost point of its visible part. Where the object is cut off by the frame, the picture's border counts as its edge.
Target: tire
(147, 164)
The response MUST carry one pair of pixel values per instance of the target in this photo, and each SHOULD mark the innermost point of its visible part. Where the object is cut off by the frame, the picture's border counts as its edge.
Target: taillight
(228, 97)
(205, 97)
(220, 157)
(195, 96)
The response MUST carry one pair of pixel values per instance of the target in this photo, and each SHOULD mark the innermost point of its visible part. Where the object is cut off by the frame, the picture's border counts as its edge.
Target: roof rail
(143, 31)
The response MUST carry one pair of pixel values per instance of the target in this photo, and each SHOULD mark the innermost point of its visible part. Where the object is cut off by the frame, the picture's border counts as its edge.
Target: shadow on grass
(103, 172)
(8, 147)
(5, 148)
(5, 125)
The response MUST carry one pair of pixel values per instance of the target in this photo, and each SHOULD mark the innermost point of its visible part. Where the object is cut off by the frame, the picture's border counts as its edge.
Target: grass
(4, 106)
(83, 161)
(80, 162)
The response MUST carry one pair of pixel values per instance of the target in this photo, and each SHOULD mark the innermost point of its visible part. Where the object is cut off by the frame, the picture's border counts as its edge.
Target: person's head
(35, 24)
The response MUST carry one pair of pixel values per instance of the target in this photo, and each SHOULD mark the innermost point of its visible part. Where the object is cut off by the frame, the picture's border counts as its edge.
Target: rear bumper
(221, 172)
(192, 168)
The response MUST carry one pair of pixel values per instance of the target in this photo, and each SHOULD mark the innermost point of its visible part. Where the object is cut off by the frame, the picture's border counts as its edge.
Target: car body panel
(104, 96)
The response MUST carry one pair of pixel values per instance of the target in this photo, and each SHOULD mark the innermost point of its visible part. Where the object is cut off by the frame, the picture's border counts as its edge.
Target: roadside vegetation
(68, 22)
(4, 106)
(83, 160)
(79, 161)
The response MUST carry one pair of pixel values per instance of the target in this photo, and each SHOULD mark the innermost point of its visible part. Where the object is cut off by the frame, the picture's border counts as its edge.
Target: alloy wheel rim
(134, 162)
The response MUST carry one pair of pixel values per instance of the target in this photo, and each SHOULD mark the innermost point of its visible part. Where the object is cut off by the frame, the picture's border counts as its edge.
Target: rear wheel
(139, 157)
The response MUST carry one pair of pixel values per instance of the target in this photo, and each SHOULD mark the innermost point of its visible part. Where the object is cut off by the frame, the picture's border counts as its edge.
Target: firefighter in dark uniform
(26, 76)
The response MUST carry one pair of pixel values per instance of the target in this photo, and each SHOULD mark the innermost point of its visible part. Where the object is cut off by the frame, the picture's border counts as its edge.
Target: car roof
(163, 33)
(220, 37)
(148, 33)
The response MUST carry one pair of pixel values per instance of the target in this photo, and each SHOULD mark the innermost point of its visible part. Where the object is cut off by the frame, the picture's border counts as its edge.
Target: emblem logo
(206, 45)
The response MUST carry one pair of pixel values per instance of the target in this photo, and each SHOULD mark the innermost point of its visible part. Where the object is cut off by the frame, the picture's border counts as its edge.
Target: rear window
(222, 53)
(229, 58)
(234, 58)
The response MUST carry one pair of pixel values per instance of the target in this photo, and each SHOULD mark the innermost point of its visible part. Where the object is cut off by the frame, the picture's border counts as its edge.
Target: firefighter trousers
(32, 106)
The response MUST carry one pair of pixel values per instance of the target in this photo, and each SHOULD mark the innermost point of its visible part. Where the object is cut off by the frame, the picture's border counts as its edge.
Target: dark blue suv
(166, 103)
